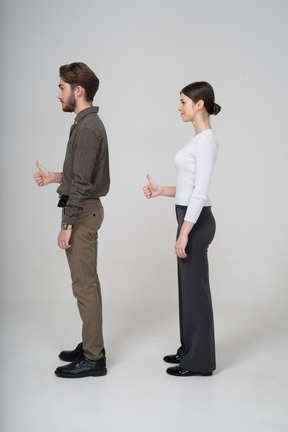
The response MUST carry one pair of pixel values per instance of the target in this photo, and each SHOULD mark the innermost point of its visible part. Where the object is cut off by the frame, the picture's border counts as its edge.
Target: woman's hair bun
(216, 109)
(201, 90)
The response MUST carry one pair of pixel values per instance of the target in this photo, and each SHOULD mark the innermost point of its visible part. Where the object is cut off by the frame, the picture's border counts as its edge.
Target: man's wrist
(65, 225)
(56, 177)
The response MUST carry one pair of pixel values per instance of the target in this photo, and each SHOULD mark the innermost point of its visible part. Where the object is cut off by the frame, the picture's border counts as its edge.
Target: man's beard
(70, 105)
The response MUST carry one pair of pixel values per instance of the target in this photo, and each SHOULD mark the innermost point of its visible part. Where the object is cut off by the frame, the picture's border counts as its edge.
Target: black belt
(63, 201)
(181, 206)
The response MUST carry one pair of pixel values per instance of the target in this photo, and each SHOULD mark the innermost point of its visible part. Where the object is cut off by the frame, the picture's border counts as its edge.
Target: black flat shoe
(172, 358)
(71, 356)
(179, 371)
(82, 367)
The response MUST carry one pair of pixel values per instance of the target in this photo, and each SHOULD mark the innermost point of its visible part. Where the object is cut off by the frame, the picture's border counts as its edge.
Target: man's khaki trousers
(82, 259)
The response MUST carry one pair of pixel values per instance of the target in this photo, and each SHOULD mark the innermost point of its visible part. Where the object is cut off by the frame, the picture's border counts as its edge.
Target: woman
(196, 229)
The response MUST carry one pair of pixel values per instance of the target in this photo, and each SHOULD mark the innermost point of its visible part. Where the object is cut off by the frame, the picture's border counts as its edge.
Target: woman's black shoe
(178, 371)
(172, 358)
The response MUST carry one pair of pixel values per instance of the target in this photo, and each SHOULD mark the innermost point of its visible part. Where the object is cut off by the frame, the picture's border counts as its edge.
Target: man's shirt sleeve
(86, 150)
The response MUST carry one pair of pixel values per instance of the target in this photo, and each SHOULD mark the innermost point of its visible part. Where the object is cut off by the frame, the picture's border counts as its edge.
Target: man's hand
(42, 177)
(63, 239)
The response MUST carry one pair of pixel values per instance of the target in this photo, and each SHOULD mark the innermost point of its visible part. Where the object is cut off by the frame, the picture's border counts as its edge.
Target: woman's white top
(194, 166)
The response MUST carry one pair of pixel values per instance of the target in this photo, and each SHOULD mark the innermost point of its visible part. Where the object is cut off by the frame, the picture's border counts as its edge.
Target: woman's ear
(200, 104)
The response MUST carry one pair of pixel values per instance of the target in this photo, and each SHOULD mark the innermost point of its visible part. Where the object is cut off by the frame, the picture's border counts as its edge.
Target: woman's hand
(180, 246)
(151, 190)
(182, 240)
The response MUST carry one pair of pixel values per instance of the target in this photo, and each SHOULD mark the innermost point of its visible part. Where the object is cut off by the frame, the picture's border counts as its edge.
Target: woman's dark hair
(80, 74)
(202, 91)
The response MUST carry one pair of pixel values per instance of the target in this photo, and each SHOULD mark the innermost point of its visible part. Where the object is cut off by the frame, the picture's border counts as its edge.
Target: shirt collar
(85, 112)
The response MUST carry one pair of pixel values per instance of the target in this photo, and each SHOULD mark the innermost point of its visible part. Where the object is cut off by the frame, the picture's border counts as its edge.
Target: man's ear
(79, 91)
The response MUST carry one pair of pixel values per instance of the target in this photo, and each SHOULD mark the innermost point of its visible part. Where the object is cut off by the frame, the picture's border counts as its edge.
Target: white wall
(144, 53)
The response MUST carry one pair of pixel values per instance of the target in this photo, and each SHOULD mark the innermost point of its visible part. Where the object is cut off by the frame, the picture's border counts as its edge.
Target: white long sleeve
(194, 166)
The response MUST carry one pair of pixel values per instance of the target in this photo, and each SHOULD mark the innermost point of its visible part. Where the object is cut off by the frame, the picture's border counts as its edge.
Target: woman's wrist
(186, 228)
(168, 191)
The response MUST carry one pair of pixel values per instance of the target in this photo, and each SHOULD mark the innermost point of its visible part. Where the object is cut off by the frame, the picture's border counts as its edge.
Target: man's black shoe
(178, 371)
(71, 356)
(172, 358)
(82, 367)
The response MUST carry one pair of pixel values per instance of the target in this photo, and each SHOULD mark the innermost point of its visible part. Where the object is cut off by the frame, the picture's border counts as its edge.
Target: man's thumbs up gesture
(44, 177)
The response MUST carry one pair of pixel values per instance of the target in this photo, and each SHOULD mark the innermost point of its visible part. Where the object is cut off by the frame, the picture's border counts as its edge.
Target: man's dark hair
(79, 74)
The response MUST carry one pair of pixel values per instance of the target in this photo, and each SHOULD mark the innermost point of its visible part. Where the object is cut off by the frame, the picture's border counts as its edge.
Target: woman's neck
(201, 124)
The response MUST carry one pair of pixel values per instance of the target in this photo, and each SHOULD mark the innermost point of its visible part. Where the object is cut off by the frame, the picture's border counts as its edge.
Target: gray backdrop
(144, 53)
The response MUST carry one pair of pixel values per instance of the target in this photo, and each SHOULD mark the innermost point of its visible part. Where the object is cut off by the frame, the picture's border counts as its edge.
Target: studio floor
(247, 393)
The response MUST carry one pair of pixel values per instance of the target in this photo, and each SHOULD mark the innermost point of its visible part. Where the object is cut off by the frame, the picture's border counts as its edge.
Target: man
(84, 180)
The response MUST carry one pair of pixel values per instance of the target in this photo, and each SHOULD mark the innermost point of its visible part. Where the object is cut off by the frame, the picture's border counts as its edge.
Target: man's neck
(81, 106)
